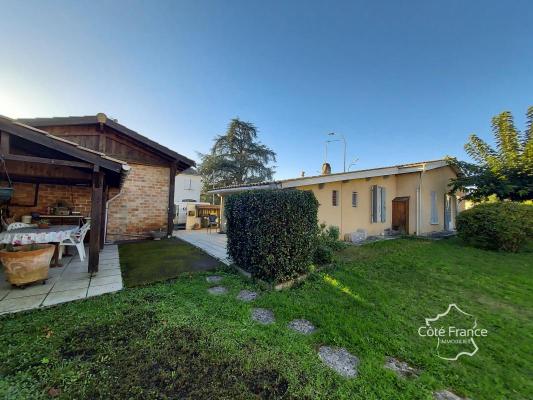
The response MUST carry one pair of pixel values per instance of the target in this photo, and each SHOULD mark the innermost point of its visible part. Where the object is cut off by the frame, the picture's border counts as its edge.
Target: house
(188, 186)
(410, 198)
(144, 200)
(39, 168)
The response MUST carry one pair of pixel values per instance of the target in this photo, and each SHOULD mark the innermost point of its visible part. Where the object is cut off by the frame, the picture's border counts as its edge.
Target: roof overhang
(339, 177)
(61, 145)
(101, 118)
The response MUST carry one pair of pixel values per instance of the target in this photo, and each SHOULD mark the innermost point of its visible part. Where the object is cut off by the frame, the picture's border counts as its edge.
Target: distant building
(188, 186)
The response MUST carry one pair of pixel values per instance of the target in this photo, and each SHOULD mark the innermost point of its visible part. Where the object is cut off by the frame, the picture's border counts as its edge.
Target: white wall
(187, 187)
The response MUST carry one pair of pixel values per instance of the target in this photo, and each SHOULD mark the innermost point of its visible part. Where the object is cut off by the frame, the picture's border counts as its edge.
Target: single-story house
(145, 200)
(410, 198)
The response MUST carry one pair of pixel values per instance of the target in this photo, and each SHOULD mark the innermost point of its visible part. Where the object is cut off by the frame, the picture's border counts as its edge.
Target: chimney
(326, 169)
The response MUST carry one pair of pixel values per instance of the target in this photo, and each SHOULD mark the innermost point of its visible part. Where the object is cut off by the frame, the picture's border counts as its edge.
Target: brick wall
(142, 205)
(48, 195)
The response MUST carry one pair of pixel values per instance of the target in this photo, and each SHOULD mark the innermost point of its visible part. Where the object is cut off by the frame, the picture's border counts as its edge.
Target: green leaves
(498, 226)
(506, 171)
(272, 233)
(236, 158)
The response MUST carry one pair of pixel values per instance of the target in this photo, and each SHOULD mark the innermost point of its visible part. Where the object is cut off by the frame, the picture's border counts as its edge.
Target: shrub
(323, 254)
(498, 226)
(272, 233)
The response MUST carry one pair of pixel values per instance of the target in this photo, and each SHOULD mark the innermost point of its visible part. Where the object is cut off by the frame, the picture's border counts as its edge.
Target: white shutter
(373, 208)
(383, 205)
(434, 214)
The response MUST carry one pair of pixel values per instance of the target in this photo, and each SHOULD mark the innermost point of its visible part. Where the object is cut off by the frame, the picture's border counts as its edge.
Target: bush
(272, 233)
(498, 226)
(323, 254)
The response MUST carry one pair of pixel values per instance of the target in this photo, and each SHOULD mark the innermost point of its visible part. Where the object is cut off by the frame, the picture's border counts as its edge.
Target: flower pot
(27, 264)
(43, 226)
(5, 193)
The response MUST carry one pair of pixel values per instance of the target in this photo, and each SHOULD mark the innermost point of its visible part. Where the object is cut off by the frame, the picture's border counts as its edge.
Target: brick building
(145, 200)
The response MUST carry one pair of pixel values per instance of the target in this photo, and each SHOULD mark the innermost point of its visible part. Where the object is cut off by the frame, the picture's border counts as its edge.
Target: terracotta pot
(24, 266)
(43, 226)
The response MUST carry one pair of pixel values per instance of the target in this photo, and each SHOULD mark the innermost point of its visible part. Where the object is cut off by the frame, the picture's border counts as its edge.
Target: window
(334, 201)
(378, 202)
(434, 220)
(354, 199)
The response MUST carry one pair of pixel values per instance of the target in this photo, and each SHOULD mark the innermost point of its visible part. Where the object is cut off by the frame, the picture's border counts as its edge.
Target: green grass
(173, 340)
(159, 260)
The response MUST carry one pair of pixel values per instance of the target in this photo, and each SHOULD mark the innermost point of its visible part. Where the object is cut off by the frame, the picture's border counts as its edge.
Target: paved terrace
(213, 243)
(67, 283)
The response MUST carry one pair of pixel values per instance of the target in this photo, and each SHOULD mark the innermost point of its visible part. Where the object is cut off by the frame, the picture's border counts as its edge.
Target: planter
(24, 266)
(43, 226)
(5, 193)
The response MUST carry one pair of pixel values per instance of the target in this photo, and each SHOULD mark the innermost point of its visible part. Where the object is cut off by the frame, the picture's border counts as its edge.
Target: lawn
(173, 340)
(147, 262)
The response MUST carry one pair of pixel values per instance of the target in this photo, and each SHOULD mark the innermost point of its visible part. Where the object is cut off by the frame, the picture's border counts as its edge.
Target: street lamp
(338, 140)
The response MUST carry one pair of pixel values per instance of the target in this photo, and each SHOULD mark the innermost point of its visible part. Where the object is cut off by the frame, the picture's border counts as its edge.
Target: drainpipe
(419, 201)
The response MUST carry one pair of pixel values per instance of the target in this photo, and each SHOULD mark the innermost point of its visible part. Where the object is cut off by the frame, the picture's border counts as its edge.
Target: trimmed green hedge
(272, 233)
(502, 226)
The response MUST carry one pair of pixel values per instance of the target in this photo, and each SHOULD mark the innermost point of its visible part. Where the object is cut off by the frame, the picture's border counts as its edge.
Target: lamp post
(338, 140)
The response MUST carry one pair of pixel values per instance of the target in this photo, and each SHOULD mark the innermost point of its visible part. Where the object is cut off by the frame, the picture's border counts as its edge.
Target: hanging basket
(5, 193)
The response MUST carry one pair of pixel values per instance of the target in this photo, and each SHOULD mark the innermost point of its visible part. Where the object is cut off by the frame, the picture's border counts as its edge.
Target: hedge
(272, 233)
(502, 226)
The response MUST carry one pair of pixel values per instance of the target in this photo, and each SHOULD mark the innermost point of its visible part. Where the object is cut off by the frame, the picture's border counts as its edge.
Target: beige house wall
(349, 218)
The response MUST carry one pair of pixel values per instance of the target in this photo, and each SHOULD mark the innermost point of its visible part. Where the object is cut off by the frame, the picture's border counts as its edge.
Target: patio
(213, 243)
(67, 283)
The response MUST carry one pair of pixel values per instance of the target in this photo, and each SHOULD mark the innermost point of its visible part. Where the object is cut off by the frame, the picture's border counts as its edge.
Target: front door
(400, 214)
(448, 213)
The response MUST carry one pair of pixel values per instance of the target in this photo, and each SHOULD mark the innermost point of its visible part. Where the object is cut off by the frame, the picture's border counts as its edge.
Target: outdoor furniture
(18, 225)
(76, 239)
(212, 222)
(54, 234)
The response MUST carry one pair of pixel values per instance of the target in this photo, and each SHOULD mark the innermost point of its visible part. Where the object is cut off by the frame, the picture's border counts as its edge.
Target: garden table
(54, 234)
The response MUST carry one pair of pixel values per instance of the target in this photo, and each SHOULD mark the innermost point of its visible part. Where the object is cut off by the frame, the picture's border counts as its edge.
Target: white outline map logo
(452, 335)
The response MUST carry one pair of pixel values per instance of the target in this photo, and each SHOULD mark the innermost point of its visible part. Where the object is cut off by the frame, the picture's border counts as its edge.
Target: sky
(403, 81)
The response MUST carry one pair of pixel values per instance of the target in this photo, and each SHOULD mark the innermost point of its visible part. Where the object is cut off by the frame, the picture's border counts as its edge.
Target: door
(400, 214)
(448, 213)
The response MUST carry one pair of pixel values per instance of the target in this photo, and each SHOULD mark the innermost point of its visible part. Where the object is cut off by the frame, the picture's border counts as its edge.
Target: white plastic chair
(76, 239)
(18, 225)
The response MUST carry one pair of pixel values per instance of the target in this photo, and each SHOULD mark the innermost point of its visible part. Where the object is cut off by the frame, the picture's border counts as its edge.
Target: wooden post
(171, 207)
(102, 219)
(96, 219)
(5, 144)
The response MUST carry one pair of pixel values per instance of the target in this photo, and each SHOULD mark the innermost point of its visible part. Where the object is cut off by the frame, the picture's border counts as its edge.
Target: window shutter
(383, 205)
(434, 215)
(354, 199)
(373, 205)
(334, 198)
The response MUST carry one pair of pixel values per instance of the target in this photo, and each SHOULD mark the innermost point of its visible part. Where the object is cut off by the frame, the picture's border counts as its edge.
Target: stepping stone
(217, 290)
(339, 360)
(401, 368)
(247, 295)
(447, 395)
(213, 278)
(263, 316)
(301, 326)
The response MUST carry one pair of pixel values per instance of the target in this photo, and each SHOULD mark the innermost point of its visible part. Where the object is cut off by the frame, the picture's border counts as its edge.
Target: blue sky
(403, 81)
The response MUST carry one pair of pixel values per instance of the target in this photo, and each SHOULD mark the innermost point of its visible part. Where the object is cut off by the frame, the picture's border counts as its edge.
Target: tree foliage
(237, 157)
(505, 171)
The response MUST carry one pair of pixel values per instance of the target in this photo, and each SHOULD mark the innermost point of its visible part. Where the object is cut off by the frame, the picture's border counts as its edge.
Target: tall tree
(506, 171)
(237, 157)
